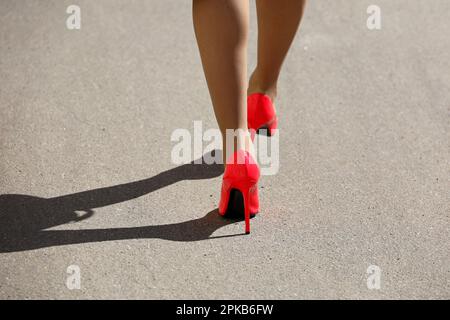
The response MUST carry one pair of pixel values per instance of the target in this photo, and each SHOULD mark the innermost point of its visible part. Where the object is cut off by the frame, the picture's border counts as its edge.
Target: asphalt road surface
(92, 206)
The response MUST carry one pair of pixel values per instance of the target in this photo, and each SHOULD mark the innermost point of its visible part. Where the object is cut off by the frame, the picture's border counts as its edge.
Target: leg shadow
(24, 219)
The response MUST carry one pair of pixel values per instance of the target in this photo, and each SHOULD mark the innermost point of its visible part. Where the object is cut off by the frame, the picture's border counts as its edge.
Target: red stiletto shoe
(239, 187)
(261, 114)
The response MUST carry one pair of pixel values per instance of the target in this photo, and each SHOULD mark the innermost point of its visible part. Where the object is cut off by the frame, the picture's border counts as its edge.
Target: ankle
(235, 140)
(258, 85)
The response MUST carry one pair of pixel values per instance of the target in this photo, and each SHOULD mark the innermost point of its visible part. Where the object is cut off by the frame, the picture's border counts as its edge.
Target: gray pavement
(86, 176)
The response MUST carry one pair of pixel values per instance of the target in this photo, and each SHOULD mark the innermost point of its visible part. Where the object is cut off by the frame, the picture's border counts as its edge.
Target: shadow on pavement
(23, 218)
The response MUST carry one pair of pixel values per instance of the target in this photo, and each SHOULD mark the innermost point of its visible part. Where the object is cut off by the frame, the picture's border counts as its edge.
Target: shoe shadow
(24, 219)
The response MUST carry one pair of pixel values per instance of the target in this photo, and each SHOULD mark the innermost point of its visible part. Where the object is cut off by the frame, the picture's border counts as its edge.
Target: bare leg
(278, 22)
(221, 29)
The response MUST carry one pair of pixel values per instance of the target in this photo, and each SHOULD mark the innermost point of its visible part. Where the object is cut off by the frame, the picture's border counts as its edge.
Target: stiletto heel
(245, 194)
(239, 188)
(261, 114)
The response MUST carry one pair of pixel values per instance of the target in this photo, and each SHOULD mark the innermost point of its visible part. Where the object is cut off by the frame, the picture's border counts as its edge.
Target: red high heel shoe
(261, 114)
(239, 185)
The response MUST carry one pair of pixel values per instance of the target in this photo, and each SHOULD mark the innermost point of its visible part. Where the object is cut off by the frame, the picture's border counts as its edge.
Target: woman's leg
(278, 22)
(221, 29)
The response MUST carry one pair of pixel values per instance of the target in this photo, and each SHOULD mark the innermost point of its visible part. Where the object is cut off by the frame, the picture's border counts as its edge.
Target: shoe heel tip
(247, 232)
